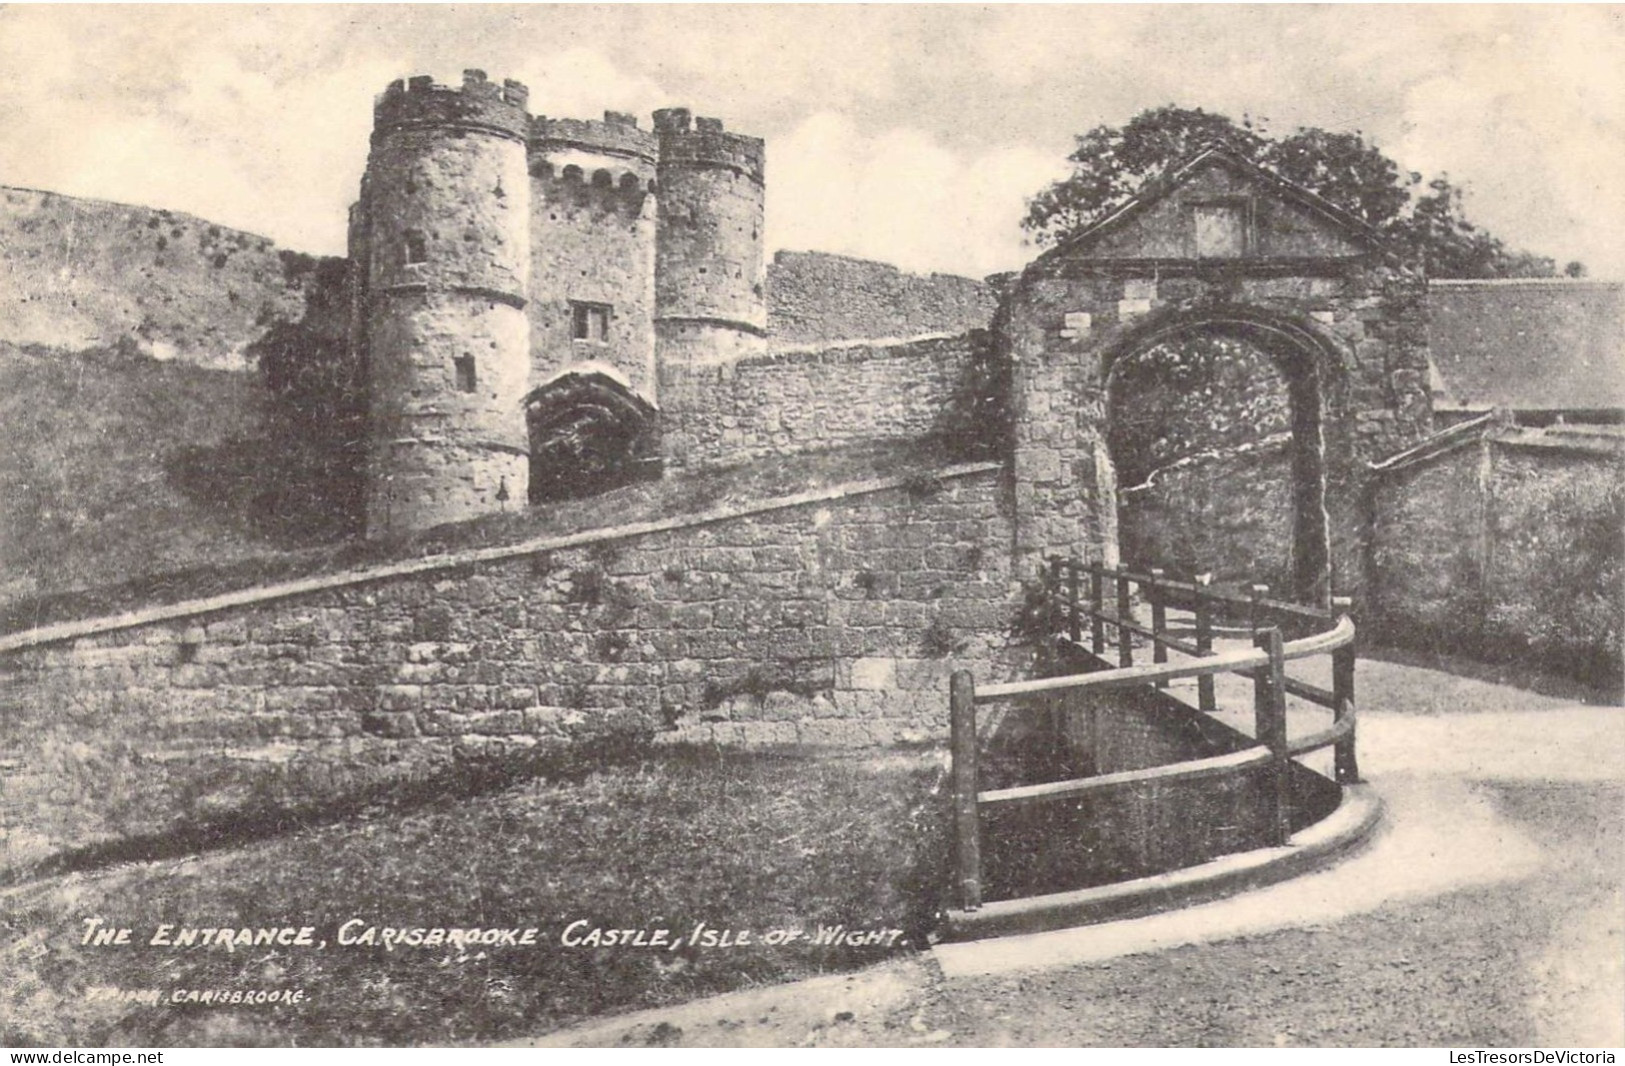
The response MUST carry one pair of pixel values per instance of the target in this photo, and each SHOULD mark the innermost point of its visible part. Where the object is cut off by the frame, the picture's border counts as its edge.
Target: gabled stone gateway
(1219, 248)
(1219, 207)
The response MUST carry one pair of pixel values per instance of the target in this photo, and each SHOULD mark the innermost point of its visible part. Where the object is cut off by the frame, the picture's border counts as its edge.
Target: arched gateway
(1200, 378)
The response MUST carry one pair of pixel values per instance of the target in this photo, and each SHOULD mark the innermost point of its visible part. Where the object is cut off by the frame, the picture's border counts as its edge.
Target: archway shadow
(1183, 405)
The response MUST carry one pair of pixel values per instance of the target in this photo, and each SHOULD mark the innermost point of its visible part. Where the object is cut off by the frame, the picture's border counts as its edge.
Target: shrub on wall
(316, 428)
(976, 424)
(1559, 591)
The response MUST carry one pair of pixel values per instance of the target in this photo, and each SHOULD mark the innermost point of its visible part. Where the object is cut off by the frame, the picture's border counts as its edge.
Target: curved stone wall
(710, 268)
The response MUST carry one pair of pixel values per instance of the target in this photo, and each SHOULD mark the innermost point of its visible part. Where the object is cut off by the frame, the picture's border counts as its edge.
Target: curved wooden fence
(1096, 599)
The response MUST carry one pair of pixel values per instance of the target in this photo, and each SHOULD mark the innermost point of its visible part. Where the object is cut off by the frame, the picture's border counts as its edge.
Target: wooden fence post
(1269, 728)
(1074, 623)
(1125, 636)
(1097, 600)
(967, 827)
(1254, 594)
(1205, 699)
(1159, 619)
(1346, 767)
(1055, 608)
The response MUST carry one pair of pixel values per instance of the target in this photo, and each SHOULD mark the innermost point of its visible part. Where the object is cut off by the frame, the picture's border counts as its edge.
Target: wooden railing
(1071, 608)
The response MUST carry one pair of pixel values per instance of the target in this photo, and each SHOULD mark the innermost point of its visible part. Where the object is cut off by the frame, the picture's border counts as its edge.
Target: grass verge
(658, 838)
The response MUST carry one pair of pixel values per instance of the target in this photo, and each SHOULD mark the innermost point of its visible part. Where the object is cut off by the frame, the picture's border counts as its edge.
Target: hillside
(77, 273)
(114, 464)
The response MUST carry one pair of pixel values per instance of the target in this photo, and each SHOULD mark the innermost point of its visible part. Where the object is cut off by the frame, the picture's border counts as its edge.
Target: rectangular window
(466, 378)
(589, 322)
(1221, 230)
(417, 249)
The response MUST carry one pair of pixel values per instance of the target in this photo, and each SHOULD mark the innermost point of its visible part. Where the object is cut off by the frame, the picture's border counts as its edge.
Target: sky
(911, 134)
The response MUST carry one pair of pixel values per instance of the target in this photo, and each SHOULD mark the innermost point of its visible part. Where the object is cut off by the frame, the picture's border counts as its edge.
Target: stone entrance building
(1206, 374)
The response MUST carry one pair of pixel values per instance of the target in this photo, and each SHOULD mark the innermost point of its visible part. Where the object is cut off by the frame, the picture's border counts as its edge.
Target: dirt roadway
(1488, 911)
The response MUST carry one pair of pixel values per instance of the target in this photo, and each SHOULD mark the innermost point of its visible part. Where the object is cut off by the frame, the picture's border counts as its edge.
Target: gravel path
(1488, 911)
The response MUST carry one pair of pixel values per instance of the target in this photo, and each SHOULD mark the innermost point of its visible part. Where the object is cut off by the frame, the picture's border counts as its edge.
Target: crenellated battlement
(686, 141)
(617, 135)
(478, 103)
(600, 190)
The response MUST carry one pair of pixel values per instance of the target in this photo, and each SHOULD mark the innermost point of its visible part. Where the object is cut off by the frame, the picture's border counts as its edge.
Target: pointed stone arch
(1308, 362)
(589, 433)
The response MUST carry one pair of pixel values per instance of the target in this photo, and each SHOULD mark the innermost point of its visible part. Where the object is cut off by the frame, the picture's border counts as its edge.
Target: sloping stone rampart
(830, 618)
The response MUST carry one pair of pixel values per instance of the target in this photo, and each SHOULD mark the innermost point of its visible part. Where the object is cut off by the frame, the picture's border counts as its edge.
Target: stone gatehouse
(1223, 262)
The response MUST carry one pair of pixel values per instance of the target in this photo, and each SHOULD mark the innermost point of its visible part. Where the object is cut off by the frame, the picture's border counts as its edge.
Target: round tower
(445, 210)
(710, 276)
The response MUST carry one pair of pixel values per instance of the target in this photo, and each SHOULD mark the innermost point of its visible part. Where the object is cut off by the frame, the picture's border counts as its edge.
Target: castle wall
(1511, 544)
(592, 238)
(831, 618)
(446, 202)
(789, 402)
(79, 273)
(814, 296)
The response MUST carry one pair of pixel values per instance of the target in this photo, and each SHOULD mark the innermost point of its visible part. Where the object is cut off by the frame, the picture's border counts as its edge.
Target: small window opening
(589, 322)
(1221, 230)
(466, 378)
(417, 249)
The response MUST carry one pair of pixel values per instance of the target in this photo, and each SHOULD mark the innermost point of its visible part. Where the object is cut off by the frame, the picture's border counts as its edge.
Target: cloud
(903, 132)
(583, 83)
(157, 111)
(1527, 114)
(901, 196)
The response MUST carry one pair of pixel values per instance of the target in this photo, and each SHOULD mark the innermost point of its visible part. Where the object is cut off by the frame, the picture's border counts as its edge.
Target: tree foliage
(1113, 163)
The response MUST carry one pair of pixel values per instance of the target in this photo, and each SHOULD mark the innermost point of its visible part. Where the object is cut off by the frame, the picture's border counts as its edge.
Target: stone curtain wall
(1513, 543)
(79, 273)
(797, 401)
(834, 618)
(817, 297)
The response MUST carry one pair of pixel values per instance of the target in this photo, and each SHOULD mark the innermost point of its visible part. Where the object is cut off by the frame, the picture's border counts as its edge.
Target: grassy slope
(85, 468)
(655, 838)
(77, 272)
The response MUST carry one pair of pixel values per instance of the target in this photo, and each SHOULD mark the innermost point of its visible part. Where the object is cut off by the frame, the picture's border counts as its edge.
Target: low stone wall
(1510, 541)
(832, 617)
(1133, 830)
(797, 401)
